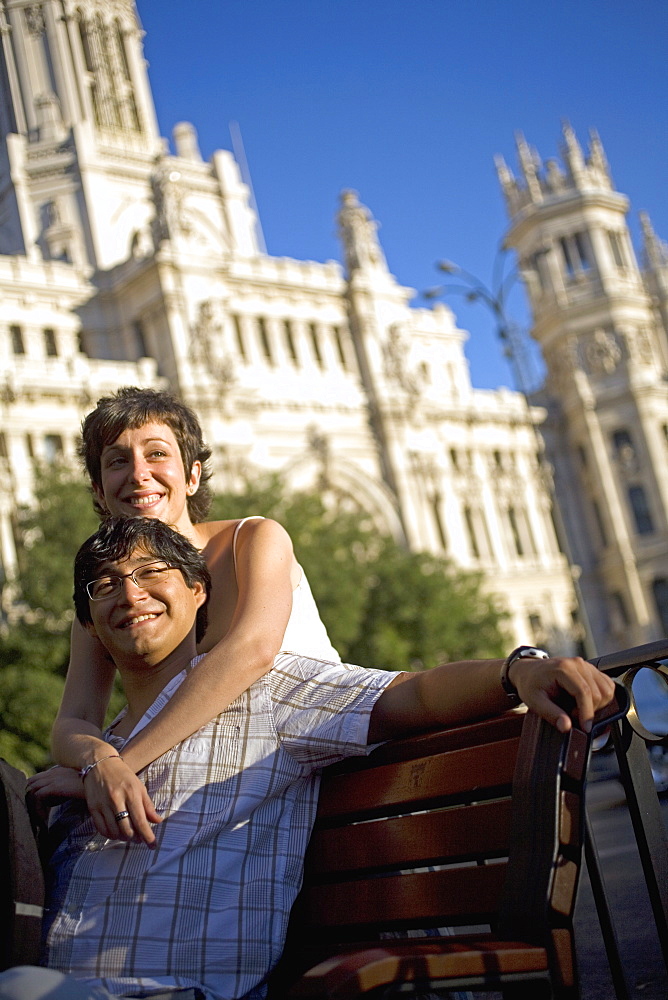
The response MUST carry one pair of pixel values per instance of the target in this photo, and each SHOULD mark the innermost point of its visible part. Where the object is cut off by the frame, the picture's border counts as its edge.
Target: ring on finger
(122, 815)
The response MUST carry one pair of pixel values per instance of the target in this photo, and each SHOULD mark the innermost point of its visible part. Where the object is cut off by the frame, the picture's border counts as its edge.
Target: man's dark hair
(130, 408)
(118, 537)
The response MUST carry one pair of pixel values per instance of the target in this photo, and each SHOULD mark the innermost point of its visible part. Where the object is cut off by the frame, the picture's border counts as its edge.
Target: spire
(185, 142)
(507, 182)
(358, 231)
(655, 251)
(530, 164)
(597, 161)
(572, 154)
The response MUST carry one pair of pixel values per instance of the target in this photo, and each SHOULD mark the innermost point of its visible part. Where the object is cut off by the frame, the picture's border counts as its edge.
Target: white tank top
(305, 632)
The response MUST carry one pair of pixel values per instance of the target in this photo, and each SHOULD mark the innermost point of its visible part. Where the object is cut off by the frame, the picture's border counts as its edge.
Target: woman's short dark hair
(118, 537)
(132, 407)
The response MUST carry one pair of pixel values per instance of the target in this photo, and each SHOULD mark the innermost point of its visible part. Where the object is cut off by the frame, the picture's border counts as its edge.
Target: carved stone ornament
(562, 364)
(359, 233)
(396, 354)
(554, 177)
(640, 345)
(627, 458)
(110, 8)
(169, 196)
(205, 345)
(141, 244)
(603, 353)
(319, 446)
(34, 16)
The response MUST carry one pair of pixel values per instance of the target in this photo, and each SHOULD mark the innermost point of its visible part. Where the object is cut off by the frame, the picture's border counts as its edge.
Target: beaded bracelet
(89, 767)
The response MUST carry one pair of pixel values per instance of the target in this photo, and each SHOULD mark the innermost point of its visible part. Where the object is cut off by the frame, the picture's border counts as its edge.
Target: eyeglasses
(144, 577)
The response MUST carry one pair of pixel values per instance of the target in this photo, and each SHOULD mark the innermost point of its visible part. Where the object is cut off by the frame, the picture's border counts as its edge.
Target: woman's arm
(76, 737)
(244, 654)
(76, 742)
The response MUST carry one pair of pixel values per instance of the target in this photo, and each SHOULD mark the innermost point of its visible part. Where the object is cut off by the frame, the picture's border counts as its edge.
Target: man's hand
(111, 788)
(53, 787)
(541, 685)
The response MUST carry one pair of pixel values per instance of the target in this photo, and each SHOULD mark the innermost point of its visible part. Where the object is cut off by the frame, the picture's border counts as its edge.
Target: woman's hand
(110, 788)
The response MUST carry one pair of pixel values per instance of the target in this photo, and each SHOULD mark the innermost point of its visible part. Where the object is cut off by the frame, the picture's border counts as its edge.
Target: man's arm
(457, 693)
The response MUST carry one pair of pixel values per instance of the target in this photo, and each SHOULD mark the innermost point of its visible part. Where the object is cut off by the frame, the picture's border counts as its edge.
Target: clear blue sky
(407, 101)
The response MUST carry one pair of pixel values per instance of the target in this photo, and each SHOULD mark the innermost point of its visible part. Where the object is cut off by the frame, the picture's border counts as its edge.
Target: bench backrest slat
(480, 830)
(422, 899)
(422, 780)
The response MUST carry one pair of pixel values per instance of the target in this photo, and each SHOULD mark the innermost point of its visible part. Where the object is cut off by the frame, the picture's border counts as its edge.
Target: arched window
(338, 341)
(617, 247)
(576, 253)
(315, 343)
(642, 515)
(470, 527)
(108, 73)
(16, 333)
(265, 344)
(50, 344)
(290, 342)
(130, 113)
(239, 334)
(621, 439)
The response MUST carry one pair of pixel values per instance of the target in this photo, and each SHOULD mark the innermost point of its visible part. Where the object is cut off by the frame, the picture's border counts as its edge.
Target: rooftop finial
(573, 156)
(597, 159)
(530, 165)
(507, 182)
(358, 232)
(655, 251)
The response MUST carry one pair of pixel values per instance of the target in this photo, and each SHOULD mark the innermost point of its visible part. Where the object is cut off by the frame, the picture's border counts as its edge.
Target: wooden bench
(479, 829)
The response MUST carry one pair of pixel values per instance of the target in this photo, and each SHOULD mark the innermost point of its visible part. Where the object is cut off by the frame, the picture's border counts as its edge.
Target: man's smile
(135, 619)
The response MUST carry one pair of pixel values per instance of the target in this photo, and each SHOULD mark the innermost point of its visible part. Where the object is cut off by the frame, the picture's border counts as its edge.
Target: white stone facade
(122, 263)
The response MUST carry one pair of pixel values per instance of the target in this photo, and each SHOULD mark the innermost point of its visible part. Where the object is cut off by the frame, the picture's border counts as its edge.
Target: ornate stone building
(602, 324)
(123, 261)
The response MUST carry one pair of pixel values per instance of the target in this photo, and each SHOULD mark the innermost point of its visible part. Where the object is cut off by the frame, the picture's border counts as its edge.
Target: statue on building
(359, 235)
(206, 346)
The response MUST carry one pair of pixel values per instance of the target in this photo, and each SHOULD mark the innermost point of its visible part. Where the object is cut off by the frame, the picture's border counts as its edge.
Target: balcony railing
(631, 741)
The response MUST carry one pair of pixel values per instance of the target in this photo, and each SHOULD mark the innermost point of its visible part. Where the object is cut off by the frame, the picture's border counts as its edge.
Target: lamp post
(494, 299)
(514, 349)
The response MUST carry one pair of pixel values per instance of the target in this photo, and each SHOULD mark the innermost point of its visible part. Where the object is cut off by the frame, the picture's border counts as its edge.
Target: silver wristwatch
(520, 653)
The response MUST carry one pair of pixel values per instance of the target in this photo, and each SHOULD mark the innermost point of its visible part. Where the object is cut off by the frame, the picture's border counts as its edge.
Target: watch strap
(519, 653)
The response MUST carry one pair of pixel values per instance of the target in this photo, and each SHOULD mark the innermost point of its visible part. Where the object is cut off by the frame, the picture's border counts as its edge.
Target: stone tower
(80, 130)
(601, 323)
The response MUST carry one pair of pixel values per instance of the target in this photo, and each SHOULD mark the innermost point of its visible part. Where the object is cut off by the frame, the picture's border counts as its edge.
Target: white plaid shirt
(209, 907)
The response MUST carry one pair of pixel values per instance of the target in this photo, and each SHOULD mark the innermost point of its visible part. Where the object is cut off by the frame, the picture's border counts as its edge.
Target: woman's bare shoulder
(218, 536)
(205, 531)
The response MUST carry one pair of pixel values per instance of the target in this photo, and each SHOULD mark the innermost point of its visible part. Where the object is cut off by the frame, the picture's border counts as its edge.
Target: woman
(145, 456)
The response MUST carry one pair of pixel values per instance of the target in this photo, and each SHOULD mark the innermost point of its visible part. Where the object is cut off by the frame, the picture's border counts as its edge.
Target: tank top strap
(251, 517)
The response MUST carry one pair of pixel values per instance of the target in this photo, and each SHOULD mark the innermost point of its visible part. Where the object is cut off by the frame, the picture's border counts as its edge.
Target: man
(206, 911)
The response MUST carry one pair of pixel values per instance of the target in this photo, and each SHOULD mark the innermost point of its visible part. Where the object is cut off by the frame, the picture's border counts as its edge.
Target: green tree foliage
(52, 531)
(420, 611)
(383, 606)
(34, 648)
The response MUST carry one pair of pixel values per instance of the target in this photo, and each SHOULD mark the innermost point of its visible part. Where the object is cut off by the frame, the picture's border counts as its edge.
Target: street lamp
(515, 350)
(474, 290)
